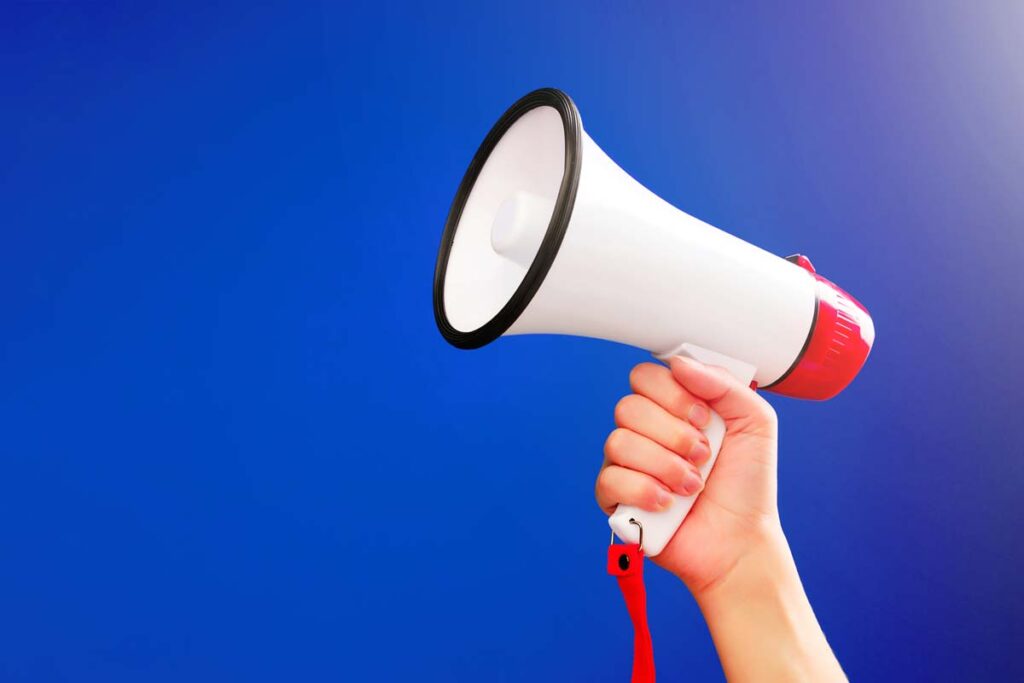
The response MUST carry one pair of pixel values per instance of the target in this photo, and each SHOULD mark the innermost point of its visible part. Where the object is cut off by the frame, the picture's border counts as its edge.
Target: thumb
(740, 407)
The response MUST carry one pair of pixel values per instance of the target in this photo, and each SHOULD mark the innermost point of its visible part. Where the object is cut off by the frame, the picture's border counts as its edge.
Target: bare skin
(730, 552)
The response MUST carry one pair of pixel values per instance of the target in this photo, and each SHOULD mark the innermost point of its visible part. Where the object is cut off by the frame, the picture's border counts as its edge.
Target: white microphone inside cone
(519, 226)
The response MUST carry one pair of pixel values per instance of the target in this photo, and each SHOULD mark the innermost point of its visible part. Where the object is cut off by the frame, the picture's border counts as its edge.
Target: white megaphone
(547, 235)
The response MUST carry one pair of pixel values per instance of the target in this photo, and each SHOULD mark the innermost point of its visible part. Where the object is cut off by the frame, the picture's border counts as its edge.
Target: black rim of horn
(513, 308)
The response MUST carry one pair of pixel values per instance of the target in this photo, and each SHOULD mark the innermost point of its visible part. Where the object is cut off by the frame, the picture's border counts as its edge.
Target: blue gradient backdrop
(234, 446)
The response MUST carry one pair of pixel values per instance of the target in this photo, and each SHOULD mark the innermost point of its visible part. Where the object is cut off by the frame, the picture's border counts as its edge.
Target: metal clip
(632, 520)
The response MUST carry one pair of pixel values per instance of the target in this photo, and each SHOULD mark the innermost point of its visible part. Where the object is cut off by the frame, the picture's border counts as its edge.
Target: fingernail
(699, 415)
(664, 499)
(700, 452)
(692, 484)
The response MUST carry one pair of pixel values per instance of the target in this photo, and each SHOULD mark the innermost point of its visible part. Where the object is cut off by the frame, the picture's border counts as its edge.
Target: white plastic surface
(631, 267)
(519, 226)
(660, 527)
(493, 246)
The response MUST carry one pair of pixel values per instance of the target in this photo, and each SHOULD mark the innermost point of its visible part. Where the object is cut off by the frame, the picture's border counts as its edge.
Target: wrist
(736, 554)
(763, 561)
(761, 620)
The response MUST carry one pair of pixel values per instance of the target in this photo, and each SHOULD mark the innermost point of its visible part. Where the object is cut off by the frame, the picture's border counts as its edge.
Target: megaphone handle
(659, 527)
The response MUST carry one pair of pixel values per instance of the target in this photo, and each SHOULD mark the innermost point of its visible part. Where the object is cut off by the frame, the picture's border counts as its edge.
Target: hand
(658, 446)
(730, 550)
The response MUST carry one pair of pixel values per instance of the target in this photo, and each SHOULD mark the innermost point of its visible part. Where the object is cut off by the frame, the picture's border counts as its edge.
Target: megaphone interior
(547, 235)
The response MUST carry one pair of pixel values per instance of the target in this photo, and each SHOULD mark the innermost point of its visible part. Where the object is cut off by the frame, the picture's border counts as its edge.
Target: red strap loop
(626, 564)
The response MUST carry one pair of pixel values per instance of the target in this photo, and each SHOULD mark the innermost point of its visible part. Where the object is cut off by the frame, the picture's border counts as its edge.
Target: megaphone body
(547, 235)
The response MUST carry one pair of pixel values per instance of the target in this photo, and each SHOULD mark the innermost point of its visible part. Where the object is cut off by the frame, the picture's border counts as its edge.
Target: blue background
(234, 446)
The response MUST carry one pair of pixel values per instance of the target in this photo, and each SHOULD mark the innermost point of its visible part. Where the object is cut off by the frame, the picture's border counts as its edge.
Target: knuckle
(639, 373)
(609, 482)
(635, 373)
(615, 443)
(623, 408)
(603, 489)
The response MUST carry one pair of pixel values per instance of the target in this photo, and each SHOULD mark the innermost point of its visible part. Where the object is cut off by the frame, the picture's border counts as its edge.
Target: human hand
(657, 447)
(730, 550)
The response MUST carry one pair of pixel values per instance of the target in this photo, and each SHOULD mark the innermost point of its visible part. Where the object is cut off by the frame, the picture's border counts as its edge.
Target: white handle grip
(660, 527)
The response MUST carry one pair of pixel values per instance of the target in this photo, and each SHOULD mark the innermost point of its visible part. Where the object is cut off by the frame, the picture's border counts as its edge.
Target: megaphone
(547, 235)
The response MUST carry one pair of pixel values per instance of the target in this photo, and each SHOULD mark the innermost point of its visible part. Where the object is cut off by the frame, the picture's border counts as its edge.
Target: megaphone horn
(547, 235)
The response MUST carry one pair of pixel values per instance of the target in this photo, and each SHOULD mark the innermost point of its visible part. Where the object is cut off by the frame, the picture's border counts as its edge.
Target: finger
(620, 486)
(656, 383)
(643, 416)
(724, 393)
(633, 451)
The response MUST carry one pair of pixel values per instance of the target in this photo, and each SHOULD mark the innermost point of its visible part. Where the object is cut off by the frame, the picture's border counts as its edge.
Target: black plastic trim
(514, 307)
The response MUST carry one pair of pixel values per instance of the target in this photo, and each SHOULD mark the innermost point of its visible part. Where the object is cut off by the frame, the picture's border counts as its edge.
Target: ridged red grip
(837, 347)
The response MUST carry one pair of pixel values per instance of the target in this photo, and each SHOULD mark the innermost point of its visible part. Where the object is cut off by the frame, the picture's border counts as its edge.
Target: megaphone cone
(547, 235)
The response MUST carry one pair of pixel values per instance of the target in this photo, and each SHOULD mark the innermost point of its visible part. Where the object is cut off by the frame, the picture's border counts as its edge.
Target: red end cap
(839, 344)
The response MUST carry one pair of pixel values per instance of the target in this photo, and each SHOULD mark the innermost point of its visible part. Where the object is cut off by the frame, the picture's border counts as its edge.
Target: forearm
(762, 623)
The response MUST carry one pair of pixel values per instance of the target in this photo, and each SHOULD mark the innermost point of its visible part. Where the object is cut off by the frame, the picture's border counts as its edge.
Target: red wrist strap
(626, 564)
